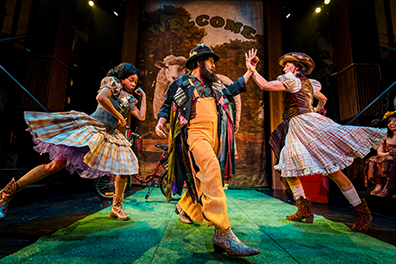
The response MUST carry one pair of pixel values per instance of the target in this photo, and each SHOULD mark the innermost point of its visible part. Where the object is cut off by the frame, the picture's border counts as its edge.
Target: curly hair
(123, 71)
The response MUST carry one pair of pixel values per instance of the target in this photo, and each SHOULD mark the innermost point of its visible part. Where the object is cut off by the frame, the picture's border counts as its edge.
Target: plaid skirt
(317, 145)
(83, 141)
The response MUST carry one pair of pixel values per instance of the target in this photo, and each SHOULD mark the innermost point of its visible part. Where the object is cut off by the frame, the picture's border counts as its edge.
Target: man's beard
(208, 76)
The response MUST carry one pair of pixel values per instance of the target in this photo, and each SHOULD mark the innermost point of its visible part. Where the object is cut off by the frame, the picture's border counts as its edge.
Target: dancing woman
(87, 144)
(315, 144)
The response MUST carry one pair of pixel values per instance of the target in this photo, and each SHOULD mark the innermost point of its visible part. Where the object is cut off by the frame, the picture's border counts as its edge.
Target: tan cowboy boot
(304, 211)
(363, 217)
(226, 241)
(117, 211)
(184, 218)
(5, 197)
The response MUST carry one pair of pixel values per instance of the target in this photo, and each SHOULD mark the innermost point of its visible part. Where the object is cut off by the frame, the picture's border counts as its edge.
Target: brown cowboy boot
(116, 210)
(184, 218)
(363, 217)
(304, 211)
(226, 241)
(5, 197)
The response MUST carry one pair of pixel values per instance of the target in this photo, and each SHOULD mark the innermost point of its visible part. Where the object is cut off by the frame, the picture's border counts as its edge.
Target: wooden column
(50, 52)
(130, 40)
(355, 40)
(274, 51)
(131, 30)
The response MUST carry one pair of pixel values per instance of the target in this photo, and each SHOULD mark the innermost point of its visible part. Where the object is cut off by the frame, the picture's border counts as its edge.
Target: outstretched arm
(103, 100)
(266, 85)
(251, 62)
(140, 114)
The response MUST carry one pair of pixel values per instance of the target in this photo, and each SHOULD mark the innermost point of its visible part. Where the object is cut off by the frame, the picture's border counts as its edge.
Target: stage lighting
(288, 15)
(317, 10)
(327, 2)
(91, 3)
(115, 13)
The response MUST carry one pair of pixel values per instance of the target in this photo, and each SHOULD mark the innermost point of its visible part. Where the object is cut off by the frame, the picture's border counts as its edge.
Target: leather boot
(5, 197)
(363, 217)
(184, 218)
(226, 241)
(117, 211)
(304, 211)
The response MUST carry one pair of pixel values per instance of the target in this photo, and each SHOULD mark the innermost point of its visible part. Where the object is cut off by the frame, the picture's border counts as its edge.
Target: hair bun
(111, 72)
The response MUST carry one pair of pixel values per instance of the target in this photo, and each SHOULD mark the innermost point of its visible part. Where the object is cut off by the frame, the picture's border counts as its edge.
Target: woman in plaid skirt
(315, 144)
(88, 144)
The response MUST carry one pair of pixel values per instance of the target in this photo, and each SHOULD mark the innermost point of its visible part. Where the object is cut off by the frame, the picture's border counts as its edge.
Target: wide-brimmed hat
(200, 51)
(300, 57)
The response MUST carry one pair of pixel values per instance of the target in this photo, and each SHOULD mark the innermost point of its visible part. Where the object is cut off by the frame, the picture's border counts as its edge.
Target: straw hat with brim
(198, 52)
(300, 57)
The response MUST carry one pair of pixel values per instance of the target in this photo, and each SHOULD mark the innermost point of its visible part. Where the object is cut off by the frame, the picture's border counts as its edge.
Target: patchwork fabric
(203, 91)
(180, 97)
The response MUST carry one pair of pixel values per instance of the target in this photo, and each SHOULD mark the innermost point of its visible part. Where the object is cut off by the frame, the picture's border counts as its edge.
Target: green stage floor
(155, 235)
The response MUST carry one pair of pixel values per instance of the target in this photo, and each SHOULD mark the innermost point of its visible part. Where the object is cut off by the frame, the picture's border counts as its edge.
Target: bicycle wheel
(174, 197)
(104, 187)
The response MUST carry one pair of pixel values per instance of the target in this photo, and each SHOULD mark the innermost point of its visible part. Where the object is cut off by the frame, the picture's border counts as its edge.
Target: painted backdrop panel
(168, 30)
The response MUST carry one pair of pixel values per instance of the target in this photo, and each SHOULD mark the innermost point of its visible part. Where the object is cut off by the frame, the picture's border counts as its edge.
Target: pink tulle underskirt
(73, 155)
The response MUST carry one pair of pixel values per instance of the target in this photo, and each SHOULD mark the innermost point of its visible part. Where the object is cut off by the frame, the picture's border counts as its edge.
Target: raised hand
(251, 60)
(139, 91)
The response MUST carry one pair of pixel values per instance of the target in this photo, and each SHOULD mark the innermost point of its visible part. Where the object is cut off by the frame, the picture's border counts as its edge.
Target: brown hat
(300, 57)
(200, 51)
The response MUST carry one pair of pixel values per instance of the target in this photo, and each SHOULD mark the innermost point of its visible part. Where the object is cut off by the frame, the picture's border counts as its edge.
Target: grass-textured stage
(155, 235)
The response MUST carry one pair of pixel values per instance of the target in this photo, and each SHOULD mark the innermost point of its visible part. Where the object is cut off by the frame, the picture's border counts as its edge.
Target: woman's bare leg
(346, 187)
(40, 172)
(32, 176)
(117, 210)
(296, 187)
(304, 205)
(363, 214)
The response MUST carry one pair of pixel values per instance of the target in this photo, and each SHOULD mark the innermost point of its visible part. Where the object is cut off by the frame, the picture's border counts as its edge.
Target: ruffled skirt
(317, 145)
(83, 141)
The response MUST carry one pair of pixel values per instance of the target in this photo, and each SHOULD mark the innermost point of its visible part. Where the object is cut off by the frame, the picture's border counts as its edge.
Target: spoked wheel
(174, 197)
(104, 187)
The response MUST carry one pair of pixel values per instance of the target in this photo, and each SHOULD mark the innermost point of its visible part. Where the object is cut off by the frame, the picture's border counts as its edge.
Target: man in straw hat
(315, 144)
(201, 113)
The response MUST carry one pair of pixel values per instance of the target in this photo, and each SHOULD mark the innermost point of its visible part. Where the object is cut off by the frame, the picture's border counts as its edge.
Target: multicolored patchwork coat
(177, 110)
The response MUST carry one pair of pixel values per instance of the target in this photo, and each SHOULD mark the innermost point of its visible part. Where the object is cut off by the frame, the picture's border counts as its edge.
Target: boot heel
(113, 215)
(309, 220)
(218, 249)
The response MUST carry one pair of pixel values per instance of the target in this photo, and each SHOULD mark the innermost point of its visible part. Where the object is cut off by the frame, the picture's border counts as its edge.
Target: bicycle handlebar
(129, 134)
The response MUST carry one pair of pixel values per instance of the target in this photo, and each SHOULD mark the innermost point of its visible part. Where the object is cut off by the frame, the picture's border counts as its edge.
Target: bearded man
(201, 112)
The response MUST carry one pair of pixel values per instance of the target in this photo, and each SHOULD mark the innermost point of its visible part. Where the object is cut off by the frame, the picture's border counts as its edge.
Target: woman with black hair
(88, 144)
(315, 144)
(380, 169)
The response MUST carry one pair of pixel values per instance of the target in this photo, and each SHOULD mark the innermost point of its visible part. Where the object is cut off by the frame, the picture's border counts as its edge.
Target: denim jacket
(121, 100)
